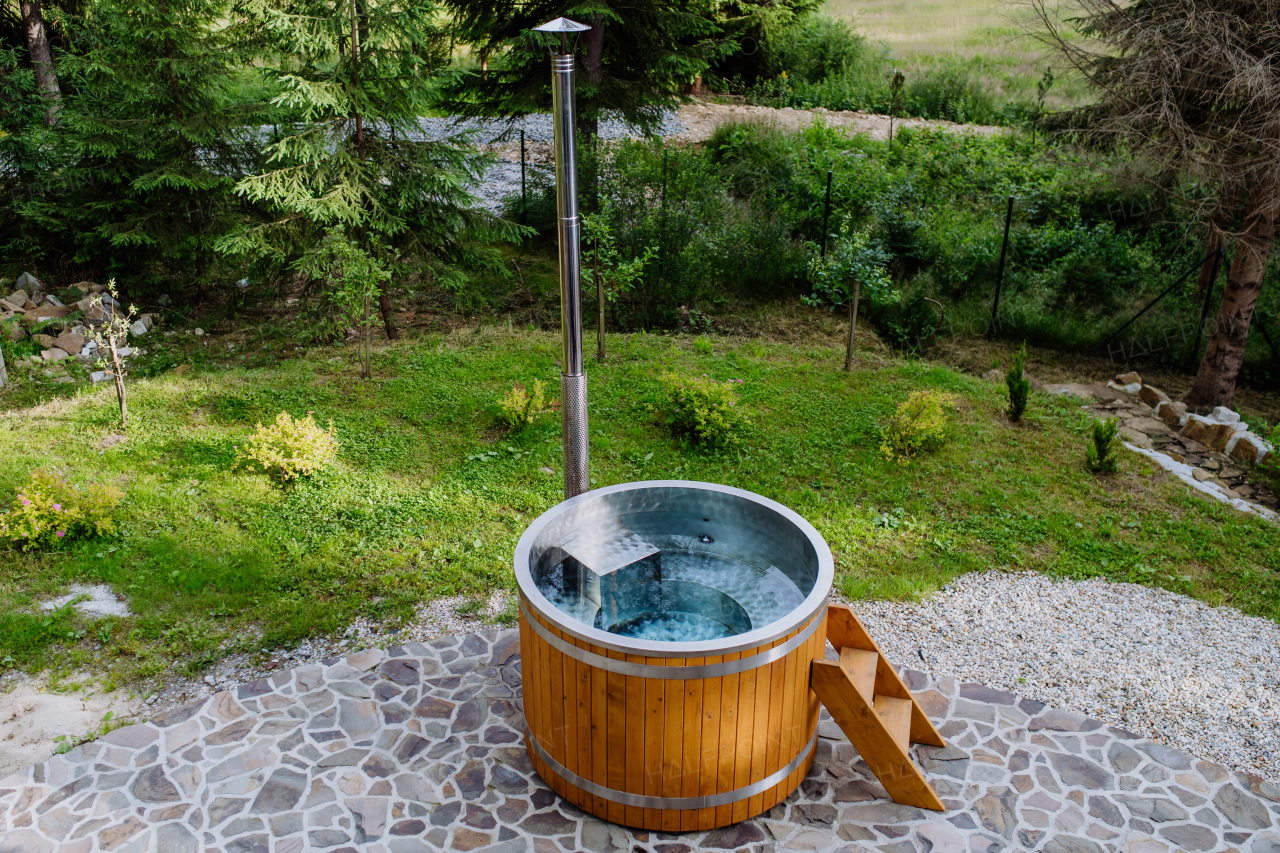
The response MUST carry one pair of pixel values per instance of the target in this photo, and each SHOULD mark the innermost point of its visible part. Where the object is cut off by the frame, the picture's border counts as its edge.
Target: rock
(1077, 771)
(1129, 378)
(1207, 432)
(30, 283)
(1152, 396)
(281, 792)
(17, 299)
(47, 312)
(69, 342)
(1191, 837)
(46, 341)
(138, 328)
(1223, 415)
(54, 301)
(163, 299)
(1137, 439)
(1172, 413)
(1201, 475)
(83, 286)
(1241, 809)
(1150, 426)
(98, 376)
(995, 374)
(1247, 447)
(148, 320)
(1131, 389)
(55, 354)
(198, 332)
(733, 837)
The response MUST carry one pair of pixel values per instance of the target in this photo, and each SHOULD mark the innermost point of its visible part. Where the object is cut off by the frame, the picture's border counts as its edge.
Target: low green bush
(290, 448)
(702, 410)
(918, 426)
(522, 407)
(49, 511)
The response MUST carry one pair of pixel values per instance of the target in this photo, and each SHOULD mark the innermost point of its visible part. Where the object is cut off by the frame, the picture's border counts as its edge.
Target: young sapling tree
(1018, 384)
(109, 329)
(613, 275)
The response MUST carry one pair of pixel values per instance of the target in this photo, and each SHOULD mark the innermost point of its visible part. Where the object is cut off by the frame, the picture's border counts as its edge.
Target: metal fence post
(826, 214)
(995, 306)
(524, 196)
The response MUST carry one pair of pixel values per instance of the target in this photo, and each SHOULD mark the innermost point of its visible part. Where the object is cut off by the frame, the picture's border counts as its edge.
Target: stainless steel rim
(671, 803)
(812, 605)
(646, 670)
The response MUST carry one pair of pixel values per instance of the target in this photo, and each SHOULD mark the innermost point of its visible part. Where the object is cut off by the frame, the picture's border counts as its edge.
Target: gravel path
(1205, 679)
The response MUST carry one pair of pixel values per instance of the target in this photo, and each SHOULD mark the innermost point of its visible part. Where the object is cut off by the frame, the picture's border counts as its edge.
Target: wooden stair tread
(861, 666)
(862, 723)
(896, 715)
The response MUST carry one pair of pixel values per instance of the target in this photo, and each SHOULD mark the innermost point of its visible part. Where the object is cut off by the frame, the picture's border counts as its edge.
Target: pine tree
(637, 59)
(354, 77)
(144, 146)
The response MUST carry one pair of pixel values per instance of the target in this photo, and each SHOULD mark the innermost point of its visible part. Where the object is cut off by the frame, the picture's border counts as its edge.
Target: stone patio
(419, 749)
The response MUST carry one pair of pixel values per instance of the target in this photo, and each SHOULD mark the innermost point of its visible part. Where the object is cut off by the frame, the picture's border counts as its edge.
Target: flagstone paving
(418, 748)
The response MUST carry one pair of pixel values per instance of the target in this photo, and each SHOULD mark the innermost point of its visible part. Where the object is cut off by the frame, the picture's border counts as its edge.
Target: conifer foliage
(354, 76)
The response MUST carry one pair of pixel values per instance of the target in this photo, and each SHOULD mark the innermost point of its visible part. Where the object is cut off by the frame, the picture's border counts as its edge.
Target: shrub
(1101, 451)
(521, 407)
(1268, 471)
(48, 511)
(1019, 385)
(918, 426)
(290, 448)
(703, 410)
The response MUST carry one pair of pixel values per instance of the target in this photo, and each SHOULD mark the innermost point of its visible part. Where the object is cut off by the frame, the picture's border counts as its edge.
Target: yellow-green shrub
(703, 410)
(48, 510)
(521, 407)
(290, 448)
(919, 425)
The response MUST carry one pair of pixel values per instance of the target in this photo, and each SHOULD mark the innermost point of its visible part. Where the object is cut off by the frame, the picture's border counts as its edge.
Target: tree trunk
(1223, 219)
(41, 57)
(853, 324)
(593, 64)
(388, 316)
(1215, 384)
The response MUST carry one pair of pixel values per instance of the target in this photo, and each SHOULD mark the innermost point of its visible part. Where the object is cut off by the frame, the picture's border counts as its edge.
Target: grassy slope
(988, 32)
(411, 510)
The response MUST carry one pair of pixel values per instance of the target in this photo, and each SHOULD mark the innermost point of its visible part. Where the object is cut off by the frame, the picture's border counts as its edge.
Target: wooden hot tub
(626, 717)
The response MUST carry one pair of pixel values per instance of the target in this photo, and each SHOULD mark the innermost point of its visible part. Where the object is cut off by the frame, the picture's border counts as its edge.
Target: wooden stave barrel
(766, 766)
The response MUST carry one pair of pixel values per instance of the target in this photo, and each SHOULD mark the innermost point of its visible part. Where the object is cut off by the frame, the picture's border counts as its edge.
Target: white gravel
(1205, 679)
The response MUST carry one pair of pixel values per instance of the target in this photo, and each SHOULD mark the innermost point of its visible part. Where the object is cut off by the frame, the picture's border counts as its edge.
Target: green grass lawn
(428, 496)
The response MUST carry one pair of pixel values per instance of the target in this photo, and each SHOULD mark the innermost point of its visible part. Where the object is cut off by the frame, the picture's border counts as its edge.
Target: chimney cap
(562, 25)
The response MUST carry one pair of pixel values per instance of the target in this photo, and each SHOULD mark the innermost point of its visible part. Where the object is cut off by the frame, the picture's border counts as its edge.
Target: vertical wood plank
(710, 748)
(617, 738)
(673, 746)
(635, 711)
(728, 739)
(583, 711)
(569, 698)
(598, 690)
(655, 698)
(745, 738)
(691, 758)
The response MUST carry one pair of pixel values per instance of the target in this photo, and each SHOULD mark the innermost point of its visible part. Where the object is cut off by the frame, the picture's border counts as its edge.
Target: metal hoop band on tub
(647, 802)
(645, 670)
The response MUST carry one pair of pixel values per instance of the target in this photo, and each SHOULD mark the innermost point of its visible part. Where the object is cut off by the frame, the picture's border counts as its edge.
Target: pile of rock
(66, 326)
(1209, 452)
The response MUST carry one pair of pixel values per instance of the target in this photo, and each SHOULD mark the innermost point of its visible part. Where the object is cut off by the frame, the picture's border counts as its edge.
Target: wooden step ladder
(868, 700)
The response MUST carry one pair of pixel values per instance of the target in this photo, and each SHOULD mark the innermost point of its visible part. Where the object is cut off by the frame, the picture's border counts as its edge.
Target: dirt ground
(31, 718)
(701, 118)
